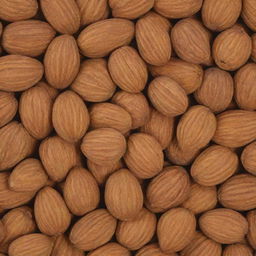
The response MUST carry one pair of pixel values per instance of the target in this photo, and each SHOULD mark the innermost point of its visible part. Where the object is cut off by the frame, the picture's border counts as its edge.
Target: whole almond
(237, 250)
(212, 13)
(167, 96)
(123, 195)
(153, 250)
(214, 165)
(251, 236)
(18, 73)
(102, 37)
(188, 75)
(224, 225)
(8, 107)
(253, 47)
(144, 156)
(248, 14)
(15, 10)
(29, 37)
(232, 48)
(216, 90)
(235, 128)
(93, 230)
(62, 61)
(191, 41)
(113, 249)
(168, 189)
(128, 70)
(51, 213)
(93, 82)
(248, 158)
(175, 230)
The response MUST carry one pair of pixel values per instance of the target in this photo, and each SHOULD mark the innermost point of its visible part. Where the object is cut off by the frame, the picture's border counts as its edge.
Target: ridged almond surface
(224, 225)
(153, 250)
(53, 92)
(251, 236)
(237, 250)
(123, 195)
(51, 213)
(2, 231)
(18, 73)
(113, 249)
(235, 128)
(253, 56)
(248, 13)
(102, 37)
(191, 41)
(62, 61)
(93, 230)
(175, 230)
(232, 48)
(29, 37)
(248, 158)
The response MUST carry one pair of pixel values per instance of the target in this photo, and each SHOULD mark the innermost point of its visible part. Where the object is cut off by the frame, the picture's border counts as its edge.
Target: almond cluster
(127, 127)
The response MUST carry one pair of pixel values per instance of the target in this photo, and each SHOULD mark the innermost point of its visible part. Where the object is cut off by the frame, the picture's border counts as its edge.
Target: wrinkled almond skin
(62, 61)
(237, 250)
(113, 249)
(239, 192)
(29, 38)
(212, 13)
(93, 230)
(191, 41)
(224, 225)
(51, 213)
(232, 48)
(123, 195)
(235, 128)
(248, 13)
(253, 56)
(100, 38)
(175, 230)
(153, 250)
(251, 236)
(248, 158)
(18, 73)
(168, 189)
(49, 89)
(216, 90)
(2, 231)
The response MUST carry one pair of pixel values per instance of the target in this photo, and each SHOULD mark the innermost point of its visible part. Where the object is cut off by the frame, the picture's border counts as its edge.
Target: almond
(214, 165)
(49, 89)
(248, 14)
(2, 231)
(8, 107)
(113, 249)
(224, 225)
(175, 230)
(28, 175)
(251, 236)
(144, 156)
(152, 37)
(253, 47)
(93, 230)
(15, 10)
(235, 128)
(93, 82)
(62, 61)
(168, 189)
(191, 41)
(237, 250)
(167, 96)
(239, 192)
(232, 48)
(196, 128)
(216, 90)
(140, 112)
(248, 158)
(18, 73)
(29, 37)
(102, 37)
(153, 250)
(123, 195)
(51, 213)
(212, 13)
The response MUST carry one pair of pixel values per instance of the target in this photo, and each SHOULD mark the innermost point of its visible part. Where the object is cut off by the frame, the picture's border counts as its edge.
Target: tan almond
(237, 250)
(248, 158)
(251, 236)
(253, 56)
(53, 92)
(248, 14)
(113, 249)
(152, 250)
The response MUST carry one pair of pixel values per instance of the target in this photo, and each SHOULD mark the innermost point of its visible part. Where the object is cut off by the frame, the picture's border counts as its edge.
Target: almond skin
(18, 73)
(253, 47)
(239, 192)
(128, 70)
(51, 213)
(167, 96)
(123, 195)
(224, 225)
(235, 128)
(212, 14)
(191, 41)
(113, 249)
(144, 156)
(100, 38)
(232, 48)
(248, 158)
(248, 14)
(93, 230)
(93, 82)
(29, 38)
(2, 231)
(168, 189)
(53, 93)
(237, 250)
(251, 236)
(175, 230)
(62, 61)
(153, 250)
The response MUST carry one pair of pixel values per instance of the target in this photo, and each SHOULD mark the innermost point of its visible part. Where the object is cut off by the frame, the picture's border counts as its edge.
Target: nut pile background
(128, 127)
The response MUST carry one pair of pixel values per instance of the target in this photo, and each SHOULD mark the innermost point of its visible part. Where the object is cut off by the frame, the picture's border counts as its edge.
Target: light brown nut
(153, 249)
(237, 250)
(248, 13)
(253, 56)
(2, 231)
(248, 158)
(50, 90)
(251, 236)
(113, 249)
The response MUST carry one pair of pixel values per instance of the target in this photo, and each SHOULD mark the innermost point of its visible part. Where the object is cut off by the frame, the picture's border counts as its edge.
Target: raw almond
(248, 14)
(251, 236)
(153, 250)
(49, 89)
(248, 158)
(2, 231)
(237, 250)
(113, 249)
(102, 37)
(253, 47)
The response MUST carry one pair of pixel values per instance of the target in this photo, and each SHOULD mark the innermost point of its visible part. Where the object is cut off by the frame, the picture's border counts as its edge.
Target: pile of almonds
(128, 127)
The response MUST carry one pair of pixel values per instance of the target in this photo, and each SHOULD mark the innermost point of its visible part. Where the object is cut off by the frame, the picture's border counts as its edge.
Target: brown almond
(50, 90)
(237, 250)
(253, 56)
(2, 231)
(153, 250)
(113, 249)
(248, 158)
(251, 236)
(248, 14)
